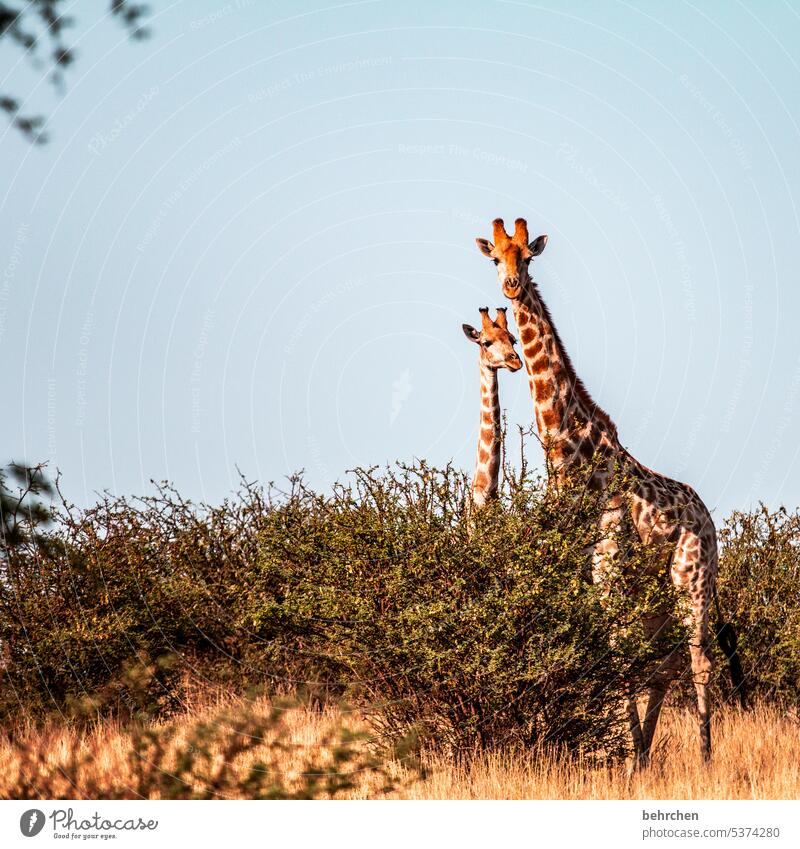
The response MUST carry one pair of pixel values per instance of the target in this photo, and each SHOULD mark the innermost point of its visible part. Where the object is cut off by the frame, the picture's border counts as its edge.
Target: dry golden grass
(755, 758)
(208, 752)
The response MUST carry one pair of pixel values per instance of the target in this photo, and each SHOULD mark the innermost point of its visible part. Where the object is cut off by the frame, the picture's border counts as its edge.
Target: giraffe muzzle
(511, 287)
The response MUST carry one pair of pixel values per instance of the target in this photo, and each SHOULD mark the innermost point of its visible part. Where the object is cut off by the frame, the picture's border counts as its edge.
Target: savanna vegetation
(155, 631)
(308, 752)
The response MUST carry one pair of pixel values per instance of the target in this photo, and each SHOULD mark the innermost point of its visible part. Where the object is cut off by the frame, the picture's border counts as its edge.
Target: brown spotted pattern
(666, 515)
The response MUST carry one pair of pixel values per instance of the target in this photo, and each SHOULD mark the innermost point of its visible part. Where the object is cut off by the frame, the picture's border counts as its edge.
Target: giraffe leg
(640, 759)
(660, 681)
(695, 568)
(702, 665)
(655, 700)
(605, 556)
(659, 685)
(657, 693)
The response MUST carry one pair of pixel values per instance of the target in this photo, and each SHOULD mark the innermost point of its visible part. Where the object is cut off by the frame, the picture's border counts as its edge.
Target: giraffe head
(495, 341)
(511, 254)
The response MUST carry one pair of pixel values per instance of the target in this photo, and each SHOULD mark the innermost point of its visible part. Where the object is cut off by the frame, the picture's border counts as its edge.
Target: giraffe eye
(496, 261)
(487, 344)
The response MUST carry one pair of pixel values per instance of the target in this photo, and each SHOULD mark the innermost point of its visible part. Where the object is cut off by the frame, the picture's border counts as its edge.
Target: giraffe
(496, 346)
(665, 514)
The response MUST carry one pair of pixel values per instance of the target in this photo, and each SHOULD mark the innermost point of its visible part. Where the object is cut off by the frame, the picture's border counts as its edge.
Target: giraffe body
(496, 347)
(667, 516)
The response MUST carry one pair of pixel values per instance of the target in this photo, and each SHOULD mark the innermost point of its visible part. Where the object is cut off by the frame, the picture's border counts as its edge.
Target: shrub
(759, 589)
(125, 578)
(477, 630)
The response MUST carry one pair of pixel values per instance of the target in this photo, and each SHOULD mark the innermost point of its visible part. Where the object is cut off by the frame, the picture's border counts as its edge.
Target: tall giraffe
(496, 346)
(665, 514)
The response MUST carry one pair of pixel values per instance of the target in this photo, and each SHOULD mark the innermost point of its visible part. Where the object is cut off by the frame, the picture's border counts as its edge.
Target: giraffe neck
(487, 461)
(571, 426)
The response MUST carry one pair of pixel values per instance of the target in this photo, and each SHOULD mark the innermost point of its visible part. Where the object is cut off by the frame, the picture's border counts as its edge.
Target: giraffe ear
(471, 333)
(537, 245)
(485, 246)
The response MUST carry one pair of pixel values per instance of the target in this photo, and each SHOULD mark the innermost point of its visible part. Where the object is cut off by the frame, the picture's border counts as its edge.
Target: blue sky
(250, 241)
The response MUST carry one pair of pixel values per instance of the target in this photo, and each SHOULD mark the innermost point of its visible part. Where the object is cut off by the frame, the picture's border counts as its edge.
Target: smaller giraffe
(496, 346)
